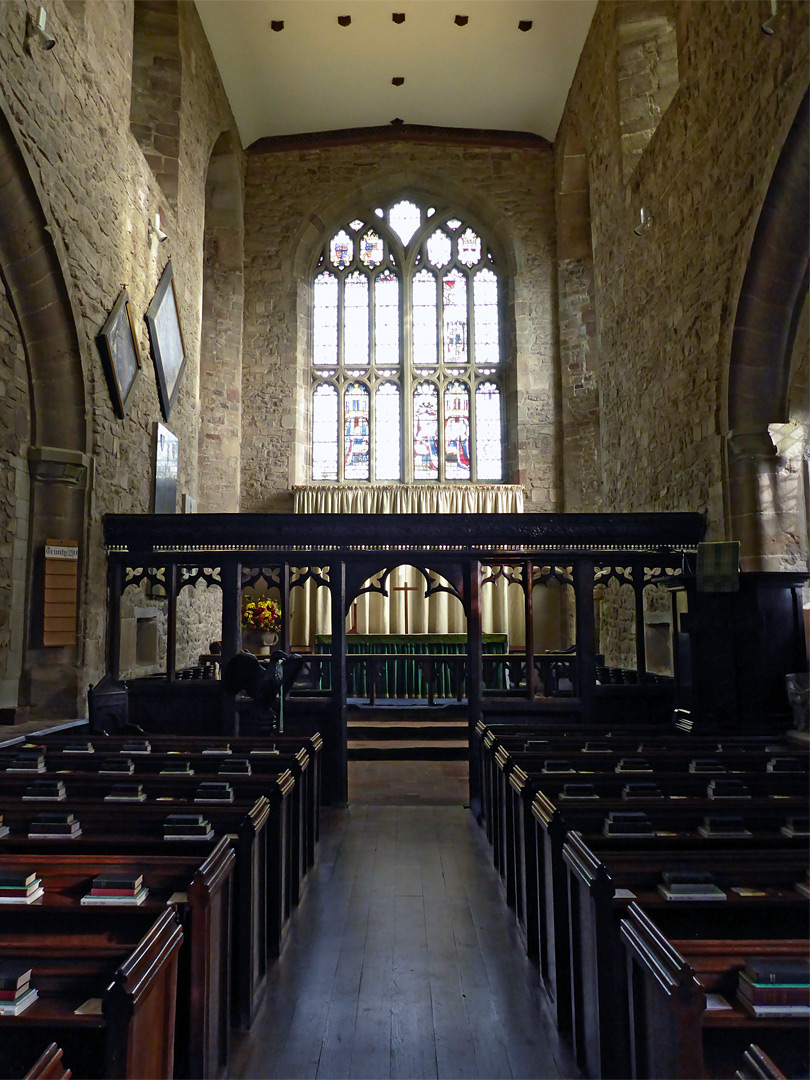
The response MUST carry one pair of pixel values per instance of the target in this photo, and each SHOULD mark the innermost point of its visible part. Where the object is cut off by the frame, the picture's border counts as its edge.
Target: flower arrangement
(261, 614)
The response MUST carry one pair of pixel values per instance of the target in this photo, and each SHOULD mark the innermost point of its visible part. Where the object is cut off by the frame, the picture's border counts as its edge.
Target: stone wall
(665, 298)
(69, 110)
(292, 196)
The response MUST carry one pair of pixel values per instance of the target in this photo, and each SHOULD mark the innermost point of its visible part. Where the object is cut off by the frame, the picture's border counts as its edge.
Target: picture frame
(166, 337)
(120, 355)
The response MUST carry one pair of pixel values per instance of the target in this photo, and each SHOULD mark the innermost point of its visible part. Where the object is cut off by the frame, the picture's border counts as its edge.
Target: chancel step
(393, 737)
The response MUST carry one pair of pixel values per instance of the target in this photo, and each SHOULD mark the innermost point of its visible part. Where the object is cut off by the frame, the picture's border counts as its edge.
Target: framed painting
(119, 354)
(166, 337)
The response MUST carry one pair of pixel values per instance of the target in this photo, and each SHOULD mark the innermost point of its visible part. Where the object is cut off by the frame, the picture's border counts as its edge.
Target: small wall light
(35, 32)
(767, 26)
(644, 222)
(157, 230)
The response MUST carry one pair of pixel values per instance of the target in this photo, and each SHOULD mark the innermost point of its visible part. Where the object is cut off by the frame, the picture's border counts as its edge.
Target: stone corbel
(54, 465)
(755, 445)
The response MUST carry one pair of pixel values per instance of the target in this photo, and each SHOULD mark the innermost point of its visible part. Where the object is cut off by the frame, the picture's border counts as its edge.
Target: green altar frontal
(405, 675)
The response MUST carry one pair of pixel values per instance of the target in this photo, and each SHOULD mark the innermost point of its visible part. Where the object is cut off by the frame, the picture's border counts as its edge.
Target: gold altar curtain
(405, 609)
(408, 499)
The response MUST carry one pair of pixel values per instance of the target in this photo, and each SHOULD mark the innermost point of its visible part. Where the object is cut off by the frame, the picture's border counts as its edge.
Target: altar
(418, 660)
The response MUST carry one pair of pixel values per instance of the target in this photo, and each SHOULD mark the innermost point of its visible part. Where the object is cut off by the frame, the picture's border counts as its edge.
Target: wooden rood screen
(599, 567)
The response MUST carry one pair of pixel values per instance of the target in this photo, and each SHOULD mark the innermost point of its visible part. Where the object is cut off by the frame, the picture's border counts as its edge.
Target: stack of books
(551, 766)
(627, 823)
(723, 825)
(633, 764)
(265, 751)
(16, 991)
(136, 746)
(54, 790)
(116, 887)
(187, 827)
(224, 749)
(83, 747)
(534, 744)
(775, 986)
(597, 747)
(214, 791)
(578, 791)
(704, 765)
(54, 827)
(28, 761)
(727, 789)
(117, 765)
(3, 828)
(641, 789)
(19, 887)
(177, 768)
(236, 765)
(689, 885)
(126, 793)
(796, 825)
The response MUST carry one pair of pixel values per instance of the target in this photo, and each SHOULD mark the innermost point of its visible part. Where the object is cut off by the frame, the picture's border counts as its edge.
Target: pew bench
(684, 1019)
(127, 969)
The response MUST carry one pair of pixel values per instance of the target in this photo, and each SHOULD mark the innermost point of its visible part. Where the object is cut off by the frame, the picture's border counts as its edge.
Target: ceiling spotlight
(398, 16)
(277, 25)
(157, 230)
(461, 20)
(344, 20)
(398, 80)
(36, 32)
(524, 25)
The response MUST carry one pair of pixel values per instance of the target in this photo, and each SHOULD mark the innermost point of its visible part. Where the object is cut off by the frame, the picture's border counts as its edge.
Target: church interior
(406, 427)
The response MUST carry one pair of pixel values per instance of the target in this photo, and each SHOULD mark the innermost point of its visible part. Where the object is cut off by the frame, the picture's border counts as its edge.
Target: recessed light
(524, 25)
(277, 24)
(398, 16)
(398, 80)
(461, 20)
(344, 20)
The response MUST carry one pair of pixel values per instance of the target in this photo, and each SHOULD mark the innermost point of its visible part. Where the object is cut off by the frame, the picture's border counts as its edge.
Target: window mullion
(406, 379)
(471, 376)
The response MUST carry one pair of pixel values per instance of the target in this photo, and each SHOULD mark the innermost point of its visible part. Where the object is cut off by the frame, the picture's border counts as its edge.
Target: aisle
(403, 962)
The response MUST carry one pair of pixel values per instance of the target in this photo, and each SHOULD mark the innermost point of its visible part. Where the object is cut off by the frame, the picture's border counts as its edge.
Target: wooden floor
(402, 962)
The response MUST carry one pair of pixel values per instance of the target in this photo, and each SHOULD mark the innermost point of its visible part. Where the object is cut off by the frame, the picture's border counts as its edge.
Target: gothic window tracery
(406, 359)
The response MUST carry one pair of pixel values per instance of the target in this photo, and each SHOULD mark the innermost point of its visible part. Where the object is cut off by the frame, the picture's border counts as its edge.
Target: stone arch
(308, 239)
(157, 76)
(579, 376)
(220, 435)
(50, 493)
(773, 293)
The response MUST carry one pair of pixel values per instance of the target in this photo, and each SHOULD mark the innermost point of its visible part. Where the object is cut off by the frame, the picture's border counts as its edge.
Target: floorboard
(403, 961)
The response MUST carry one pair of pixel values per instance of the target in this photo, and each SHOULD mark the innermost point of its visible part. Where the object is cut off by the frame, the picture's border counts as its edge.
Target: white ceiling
(316, 75)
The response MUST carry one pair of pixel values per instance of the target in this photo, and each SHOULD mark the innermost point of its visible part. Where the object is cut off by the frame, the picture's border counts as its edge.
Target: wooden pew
(49, 1065)
(672, 1032)
(198, 889)
(259, 884)
(135, 980)
(597, 868)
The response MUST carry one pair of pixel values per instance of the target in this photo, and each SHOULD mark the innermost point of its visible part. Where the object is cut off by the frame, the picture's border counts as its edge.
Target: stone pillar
(752, 519)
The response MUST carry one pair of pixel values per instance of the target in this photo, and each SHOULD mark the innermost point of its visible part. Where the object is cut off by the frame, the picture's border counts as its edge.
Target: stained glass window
(425, 432)
(406, 349)
(387, 435)
(324, 428)
(356, 432)
(457, 432)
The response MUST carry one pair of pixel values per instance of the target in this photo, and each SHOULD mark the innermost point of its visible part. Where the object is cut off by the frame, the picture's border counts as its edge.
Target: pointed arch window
(406, 350)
